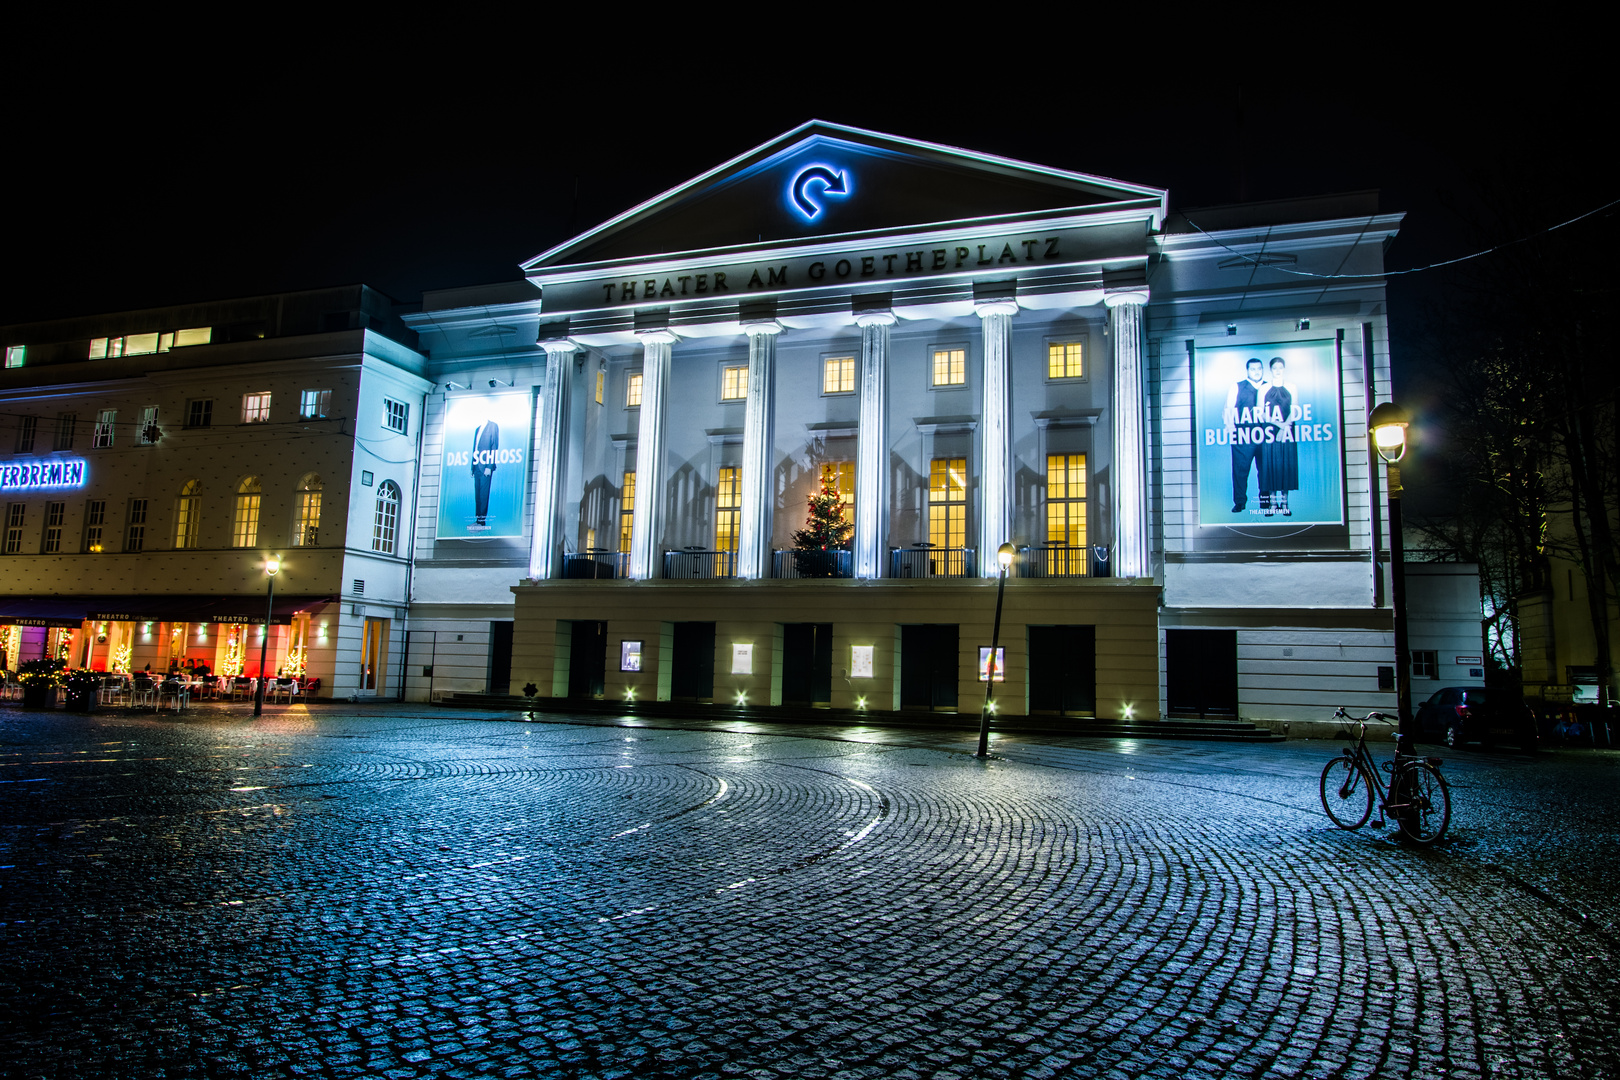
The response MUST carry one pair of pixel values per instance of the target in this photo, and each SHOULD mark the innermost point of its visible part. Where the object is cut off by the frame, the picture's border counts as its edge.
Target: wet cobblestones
(422, 895)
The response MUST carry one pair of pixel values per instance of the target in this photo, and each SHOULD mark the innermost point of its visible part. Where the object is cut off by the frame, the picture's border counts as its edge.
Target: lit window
(307, 512)
(65, 423)
(256, 408)
(245, 527)
(55, 514)
(838, 375)
(15, 354)
(95, 523)
(102, 348)
(947, 502)
(632, 391)
(199, 335)
(188, 515)
(199, 412)
(627, 506)
(135, 534)
(105, 420)
(140, 344)
(1066, 500)
(733, 383)
(950, 367)
(314, 404)
(385, 524)
(841, 474)
(27, 427)
(1063, 360)
(14, 528)
(396, 416)
(148, 433)
(728, 509)
(601, 384)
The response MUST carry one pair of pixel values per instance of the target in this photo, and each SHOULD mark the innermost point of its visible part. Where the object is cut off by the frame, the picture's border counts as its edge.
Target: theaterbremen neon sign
(54, 473)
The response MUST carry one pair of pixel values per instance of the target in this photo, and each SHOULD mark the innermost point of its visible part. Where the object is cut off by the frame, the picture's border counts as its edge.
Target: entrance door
(807, 663)
(587, 659)
(1201, 675)
(928, 662)
(500, 657)
(374, 655)
(693, 676)
(1063, 670)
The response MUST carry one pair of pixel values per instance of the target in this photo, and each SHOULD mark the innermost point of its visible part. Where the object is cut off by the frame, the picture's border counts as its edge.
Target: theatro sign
(52, 473)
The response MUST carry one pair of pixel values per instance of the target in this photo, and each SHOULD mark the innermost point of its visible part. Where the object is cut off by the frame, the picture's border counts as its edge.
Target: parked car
(1457, 715)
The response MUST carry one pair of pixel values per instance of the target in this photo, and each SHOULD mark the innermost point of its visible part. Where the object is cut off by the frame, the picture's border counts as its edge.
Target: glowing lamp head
(1004, 555)
(272, 565)
(1388, 424)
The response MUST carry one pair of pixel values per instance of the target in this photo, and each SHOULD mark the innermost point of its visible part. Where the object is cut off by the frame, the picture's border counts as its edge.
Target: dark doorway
(928, 662)
(1063, 670)
(1201, 672)
(500, 657)
(587, 658)
(693, 661)
(807, 663)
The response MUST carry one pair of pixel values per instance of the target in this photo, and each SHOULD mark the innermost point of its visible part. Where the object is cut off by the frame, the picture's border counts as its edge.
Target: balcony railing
(699, 565)
(926, 562)
(1058, 561)
(813, 564)
(588, 565)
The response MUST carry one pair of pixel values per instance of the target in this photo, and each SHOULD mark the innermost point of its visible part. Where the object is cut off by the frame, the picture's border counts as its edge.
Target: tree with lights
(825, 530)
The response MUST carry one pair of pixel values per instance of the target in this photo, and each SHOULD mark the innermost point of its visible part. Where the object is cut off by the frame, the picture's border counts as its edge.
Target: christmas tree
(826, 529)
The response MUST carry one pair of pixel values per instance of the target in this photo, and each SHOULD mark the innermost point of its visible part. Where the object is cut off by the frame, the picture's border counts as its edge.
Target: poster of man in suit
(484, 470)
(1270, 449)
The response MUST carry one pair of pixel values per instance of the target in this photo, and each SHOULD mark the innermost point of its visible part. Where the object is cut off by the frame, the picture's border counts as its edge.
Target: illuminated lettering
(56, 473)
(914, 261)
(939, 258)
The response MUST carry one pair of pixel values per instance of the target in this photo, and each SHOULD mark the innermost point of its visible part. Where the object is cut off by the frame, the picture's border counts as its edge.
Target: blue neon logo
(832, 183)
(60, 472)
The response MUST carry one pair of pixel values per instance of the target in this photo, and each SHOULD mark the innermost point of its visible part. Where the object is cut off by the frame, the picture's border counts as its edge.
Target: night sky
(249, 176)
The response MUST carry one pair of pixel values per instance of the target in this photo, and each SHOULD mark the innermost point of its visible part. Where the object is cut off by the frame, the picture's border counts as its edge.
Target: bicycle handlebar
(1342, 715)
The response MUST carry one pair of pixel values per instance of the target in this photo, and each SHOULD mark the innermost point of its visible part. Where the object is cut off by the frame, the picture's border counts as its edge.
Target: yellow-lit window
(1063, 360)
(245, 526)
(1066, 500)
(307, 512)
(188, 515)
(841, 474)
(728, 509)
(601, 383)
(590, 539)
(627, 506)
(950, 367)
(947, 502)
(733, 383)
(838, 375)
(198, 335)
(632, 391)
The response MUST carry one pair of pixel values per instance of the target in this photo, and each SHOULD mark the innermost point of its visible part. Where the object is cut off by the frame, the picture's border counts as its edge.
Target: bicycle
(1417, 797)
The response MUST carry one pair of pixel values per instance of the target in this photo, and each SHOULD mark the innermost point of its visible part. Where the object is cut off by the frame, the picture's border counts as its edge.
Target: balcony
(595, 564)
(697, 565)
(1059, 561)
(812, 564)
(927, 561)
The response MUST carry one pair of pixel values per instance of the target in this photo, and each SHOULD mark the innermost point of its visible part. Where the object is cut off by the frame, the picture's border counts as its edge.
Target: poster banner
(1270, 451)
(484, 473)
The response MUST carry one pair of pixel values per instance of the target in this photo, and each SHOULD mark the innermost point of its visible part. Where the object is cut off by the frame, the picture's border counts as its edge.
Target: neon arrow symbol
(832, 184)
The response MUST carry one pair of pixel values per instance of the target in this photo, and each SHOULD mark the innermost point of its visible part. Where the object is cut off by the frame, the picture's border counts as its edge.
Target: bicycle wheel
(1346, 795)
(1425, 803)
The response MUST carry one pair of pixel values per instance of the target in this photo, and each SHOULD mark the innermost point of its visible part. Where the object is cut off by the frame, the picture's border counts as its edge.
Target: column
(551, 437)
(647, 519)
(995, 434)
(1130, 556)
(872, 449)
(759, 443)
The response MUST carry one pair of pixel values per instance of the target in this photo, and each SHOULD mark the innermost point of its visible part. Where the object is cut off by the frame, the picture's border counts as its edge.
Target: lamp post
(1388, 424)
(272, 567)
(1004, 557)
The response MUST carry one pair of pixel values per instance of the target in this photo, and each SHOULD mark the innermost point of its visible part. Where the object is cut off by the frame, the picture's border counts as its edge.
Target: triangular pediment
(823, 180)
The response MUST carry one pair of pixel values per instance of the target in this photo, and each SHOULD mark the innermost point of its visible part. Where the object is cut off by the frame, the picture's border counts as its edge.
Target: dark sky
(269, 173)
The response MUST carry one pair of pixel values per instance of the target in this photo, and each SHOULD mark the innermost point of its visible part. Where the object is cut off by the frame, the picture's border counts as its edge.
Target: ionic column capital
(660, 336)
(986, 308)
(874, 318)
(559, 347)
(755, 327)
(1128, 296)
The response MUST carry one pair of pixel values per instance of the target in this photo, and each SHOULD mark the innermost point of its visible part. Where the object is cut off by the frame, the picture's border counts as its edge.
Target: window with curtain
(947, 502)
(245, 524)
(188, 515)
(385, 524)
(627, 507)
(728, 509)
(307, 512)
(1066, 499)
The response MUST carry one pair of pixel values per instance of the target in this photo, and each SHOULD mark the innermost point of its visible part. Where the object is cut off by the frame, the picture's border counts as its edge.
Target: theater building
(150, 460)
(1162, 411)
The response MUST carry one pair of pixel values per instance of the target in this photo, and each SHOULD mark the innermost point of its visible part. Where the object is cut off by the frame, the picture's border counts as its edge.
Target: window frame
(149, 419)
(393, 407)
(385, 533)
(1080, 338)
(248, 508)
(601, 385)
(827, 359)
(50, 540)
(135, 518)
(728, 507)
(16, 356)
(966, 349)
(188, 517)
(203, 407)
(632, 382)
(742, 389)
(260, 414)
(1067, 500)
(27, 434)
(106, 429)
(16, 521)
(627, 510)
(66, 424)
(1426, 664)
(322, 404)
(93, 536)
(956, 502)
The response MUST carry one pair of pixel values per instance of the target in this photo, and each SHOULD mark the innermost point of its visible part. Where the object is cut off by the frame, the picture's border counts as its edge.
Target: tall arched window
(188, 515)
(245, 525)
(307, 512)
(386, 525)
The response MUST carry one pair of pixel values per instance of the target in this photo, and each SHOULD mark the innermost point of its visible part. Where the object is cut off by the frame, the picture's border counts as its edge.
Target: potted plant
(81, 685)
(39, 680)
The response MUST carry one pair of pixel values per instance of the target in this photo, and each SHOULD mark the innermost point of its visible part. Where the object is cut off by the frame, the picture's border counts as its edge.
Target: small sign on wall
(629, 656)
(742, 659)
(984, 663)
(860, 661)
(1464, 661)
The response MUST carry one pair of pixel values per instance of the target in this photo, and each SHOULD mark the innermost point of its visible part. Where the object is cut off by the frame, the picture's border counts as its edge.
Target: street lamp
(1004, 557)
(1388, 424)
(272, 567)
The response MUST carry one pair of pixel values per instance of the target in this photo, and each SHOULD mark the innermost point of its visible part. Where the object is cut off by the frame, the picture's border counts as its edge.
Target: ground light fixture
(272, 567)
(1004, 560)
(1388, 424)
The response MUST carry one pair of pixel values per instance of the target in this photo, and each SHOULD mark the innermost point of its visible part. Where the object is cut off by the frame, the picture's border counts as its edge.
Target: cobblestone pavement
(415, 892)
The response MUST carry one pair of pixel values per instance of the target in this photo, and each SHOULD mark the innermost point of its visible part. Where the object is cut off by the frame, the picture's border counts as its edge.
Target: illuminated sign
(485, 465)
(832, 183)
(984, 663)
(55, 473)
(1270, 448)
(742, 659)
(860, 661)
(629, 656)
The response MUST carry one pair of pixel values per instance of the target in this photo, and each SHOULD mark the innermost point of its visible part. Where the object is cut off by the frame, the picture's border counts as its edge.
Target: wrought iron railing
(1054, 560)
(699, 565)
(925, 562)
(812, 564)
(588, 565)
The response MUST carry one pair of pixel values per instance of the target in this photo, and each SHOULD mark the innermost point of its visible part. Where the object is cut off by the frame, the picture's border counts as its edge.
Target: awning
(72, 610)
